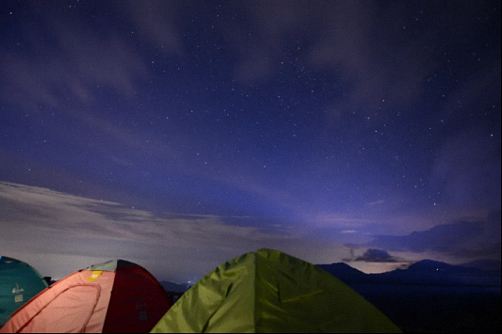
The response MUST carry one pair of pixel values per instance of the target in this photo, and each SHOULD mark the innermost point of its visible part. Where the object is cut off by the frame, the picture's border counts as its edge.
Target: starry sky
(179, 134)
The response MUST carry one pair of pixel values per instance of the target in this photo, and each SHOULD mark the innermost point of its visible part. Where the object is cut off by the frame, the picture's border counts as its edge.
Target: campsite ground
(431, 296)
(437, 309)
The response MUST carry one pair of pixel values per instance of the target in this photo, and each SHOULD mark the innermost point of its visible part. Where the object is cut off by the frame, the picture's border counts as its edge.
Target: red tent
(116, 296)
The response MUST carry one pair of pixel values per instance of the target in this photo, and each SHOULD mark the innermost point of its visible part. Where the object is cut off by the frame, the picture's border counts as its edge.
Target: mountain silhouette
(176, 288)
(430, 272)
(484, 264)
(344, 272)
(431, 296)
(425, 272)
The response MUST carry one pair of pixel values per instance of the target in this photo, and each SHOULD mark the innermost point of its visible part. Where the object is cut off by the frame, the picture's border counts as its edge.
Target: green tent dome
(18, 283)
(269, 291)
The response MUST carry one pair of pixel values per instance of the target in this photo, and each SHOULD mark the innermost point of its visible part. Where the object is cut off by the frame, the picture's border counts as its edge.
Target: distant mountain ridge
(485, 264)
(344, 272)
(431, 296)
(172, 287)
(425, 272)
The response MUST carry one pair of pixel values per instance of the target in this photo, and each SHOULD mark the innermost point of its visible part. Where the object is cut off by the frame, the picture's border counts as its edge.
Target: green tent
(18, 283)
(269, 291)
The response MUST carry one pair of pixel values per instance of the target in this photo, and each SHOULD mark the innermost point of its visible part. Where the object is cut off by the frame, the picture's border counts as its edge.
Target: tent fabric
(107, 266)
(269, 291)
(19, 282)
(66, 299)
(138, 294)
(122, 297)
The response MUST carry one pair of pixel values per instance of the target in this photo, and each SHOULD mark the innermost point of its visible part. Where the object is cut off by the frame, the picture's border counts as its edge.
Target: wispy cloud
(350, 39)
(377, 202)
(74, 67)
(79, 63)
(466, 169)
(41, 221)
(468, 239)
(72, 62)
(61, 232)
(155, 21)
(376, 255)
(340, 220)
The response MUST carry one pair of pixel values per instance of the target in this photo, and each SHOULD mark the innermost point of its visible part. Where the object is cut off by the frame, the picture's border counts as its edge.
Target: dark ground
(427, 309)
(431, 296)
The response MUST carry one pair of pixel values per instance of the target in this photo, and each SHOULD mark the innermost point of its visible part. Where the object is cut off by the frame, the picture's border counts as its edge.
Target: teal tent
(18, 283)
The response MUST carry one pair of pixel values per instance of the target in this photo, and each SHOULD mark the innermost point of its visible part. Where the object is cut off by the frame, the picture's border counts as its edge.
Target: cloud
(71, 73)
(375, 255)
(341, 220)
(155, 21)
(63, 62)
(77, 230)
(462, 239)
(377, 202)
(348, 231)
(351, 40)
(262, 42)
(466, 171)
(356, 43)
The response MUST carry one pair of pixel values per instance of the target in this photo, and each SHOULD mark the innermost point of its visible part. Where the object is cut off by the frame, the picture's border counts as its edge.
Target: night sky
(179, 134)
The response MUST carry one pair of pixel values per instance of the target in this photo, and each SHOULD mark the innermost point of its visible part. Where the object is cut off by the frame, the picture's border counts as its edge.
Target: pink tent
(117, 296)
